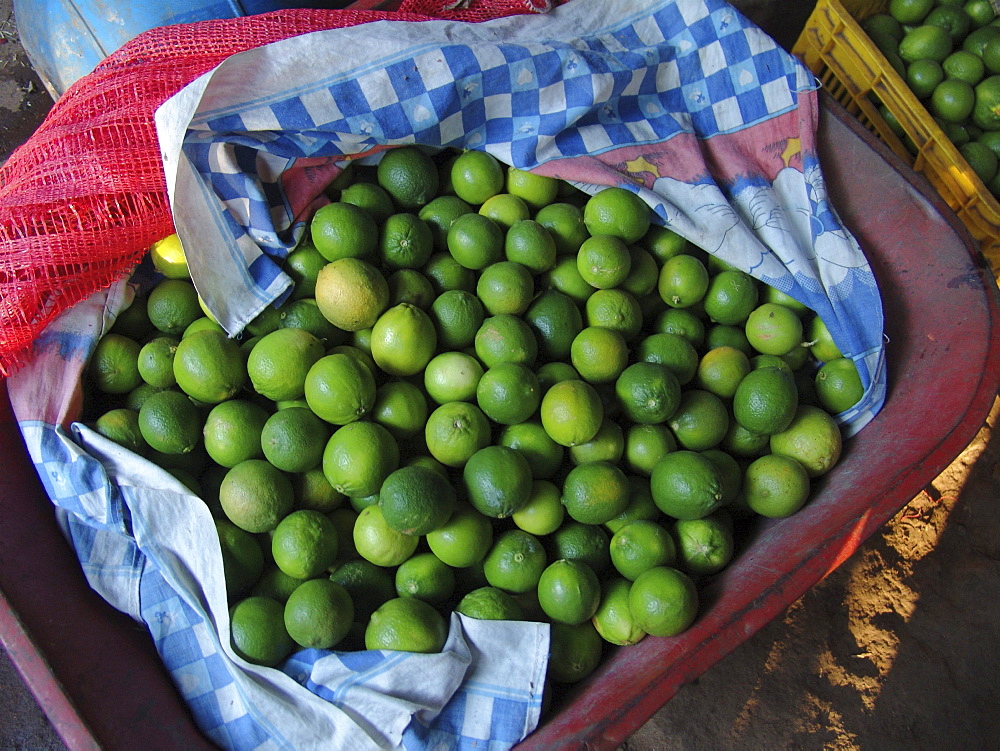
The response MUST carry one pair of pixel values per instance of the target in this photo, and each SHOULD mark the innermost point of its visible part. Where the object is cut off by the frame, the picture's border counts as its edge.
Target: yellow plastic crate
(835, 48)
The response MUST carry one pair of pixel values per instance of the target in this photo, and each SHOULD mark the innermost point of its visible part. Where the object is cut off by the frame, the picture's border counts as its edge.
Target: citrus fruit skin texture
(406, 624)
(258, 631)
(663, 601)
(416, 500)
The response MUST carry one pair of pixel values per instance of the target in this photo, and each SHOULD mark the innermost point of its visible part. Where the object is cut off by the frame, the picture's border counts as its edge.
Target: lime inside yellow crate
(834, 46)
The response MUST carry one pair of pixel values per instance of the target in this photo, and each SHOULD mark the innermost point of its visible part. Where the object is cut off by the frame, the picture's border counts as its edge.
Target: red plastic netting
(83, 199)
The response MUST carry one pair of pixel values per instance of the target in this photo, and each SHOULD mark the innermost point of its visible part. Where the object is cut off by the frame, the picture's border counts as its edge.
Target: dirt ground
(899, 648)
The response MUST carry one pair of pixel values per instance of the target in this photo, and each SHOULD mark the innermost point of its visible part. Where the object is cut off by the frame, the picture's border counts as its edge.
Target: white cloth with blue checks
(683, 101)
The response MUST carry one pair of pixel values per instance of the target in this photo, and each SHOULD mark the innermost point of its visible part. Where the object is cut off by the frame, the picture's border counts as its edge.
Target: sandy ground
(899, 648)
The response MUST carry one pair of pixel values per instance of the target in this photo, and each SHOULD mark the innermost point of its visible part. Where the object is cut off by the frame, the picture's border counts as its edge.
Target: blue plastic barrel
(66, 39)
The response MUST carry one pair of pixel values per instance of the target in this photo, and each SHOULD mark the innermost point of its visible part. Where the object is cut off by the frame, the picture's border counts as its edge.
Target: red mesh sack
(83, 199)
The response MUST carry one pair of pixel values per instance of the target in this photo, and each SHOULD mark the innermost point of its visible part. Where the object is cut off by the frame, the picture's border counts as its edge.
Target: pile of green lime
(948, 53)
(489, 393)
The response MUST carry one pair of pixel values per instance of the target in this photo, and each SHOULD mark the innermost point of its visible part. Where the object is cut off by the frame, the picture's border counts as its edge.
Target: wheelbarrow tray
(99, 679)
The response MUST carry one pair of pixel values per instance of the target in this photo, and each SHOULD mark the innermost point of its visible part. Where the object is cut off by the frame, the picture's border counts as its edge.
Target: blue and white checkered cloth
(685, 102)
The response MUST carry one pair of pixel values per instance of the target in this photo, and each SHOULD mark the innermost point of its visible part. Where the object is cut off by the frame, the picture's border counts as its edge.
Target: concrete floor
(816, 705)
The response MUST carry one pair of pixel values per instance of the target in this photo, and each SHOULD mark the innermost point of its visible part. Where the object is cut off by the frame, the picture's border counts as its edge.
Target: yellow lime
(463, 540)
(351, 293)
(613, 620)
(169, 259)
(776, 486)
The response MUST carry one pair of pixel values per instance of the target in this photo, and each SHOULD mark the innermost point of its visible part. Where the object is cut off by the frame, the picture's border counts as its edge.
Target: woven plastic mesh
(83, 199)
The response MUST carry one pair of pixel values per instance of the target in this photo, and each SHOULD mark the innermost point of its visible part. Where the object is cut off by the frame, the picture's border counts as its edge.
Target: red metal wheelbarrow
(95, 671)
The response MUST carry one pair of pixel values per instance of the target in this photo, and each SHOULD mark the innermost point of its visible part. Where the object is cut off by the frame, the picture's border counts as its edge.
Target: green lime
(569, 591)
(648, 392)
(232, 432)
(425, 577)
(280, 361)
(544, 455)
(686, 485)
(491, 604)
(613, 620)
(508, 393)
(114, 365)
(640, 545)
(339, 388)
(359, 457)
(343, 230)
(257, 629)
(663, 601)
(574, 652)
(304, 544)
(409, 175)
(497, 481)
(645, 445)
(293, 439)
(463, 540)
(704, 546)
(256, 496)
(595, 492)
(765, 401)
(455, 431)
(515, 562)
(416, 500)
(318, 614)
(170, 422)
(406, 624)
